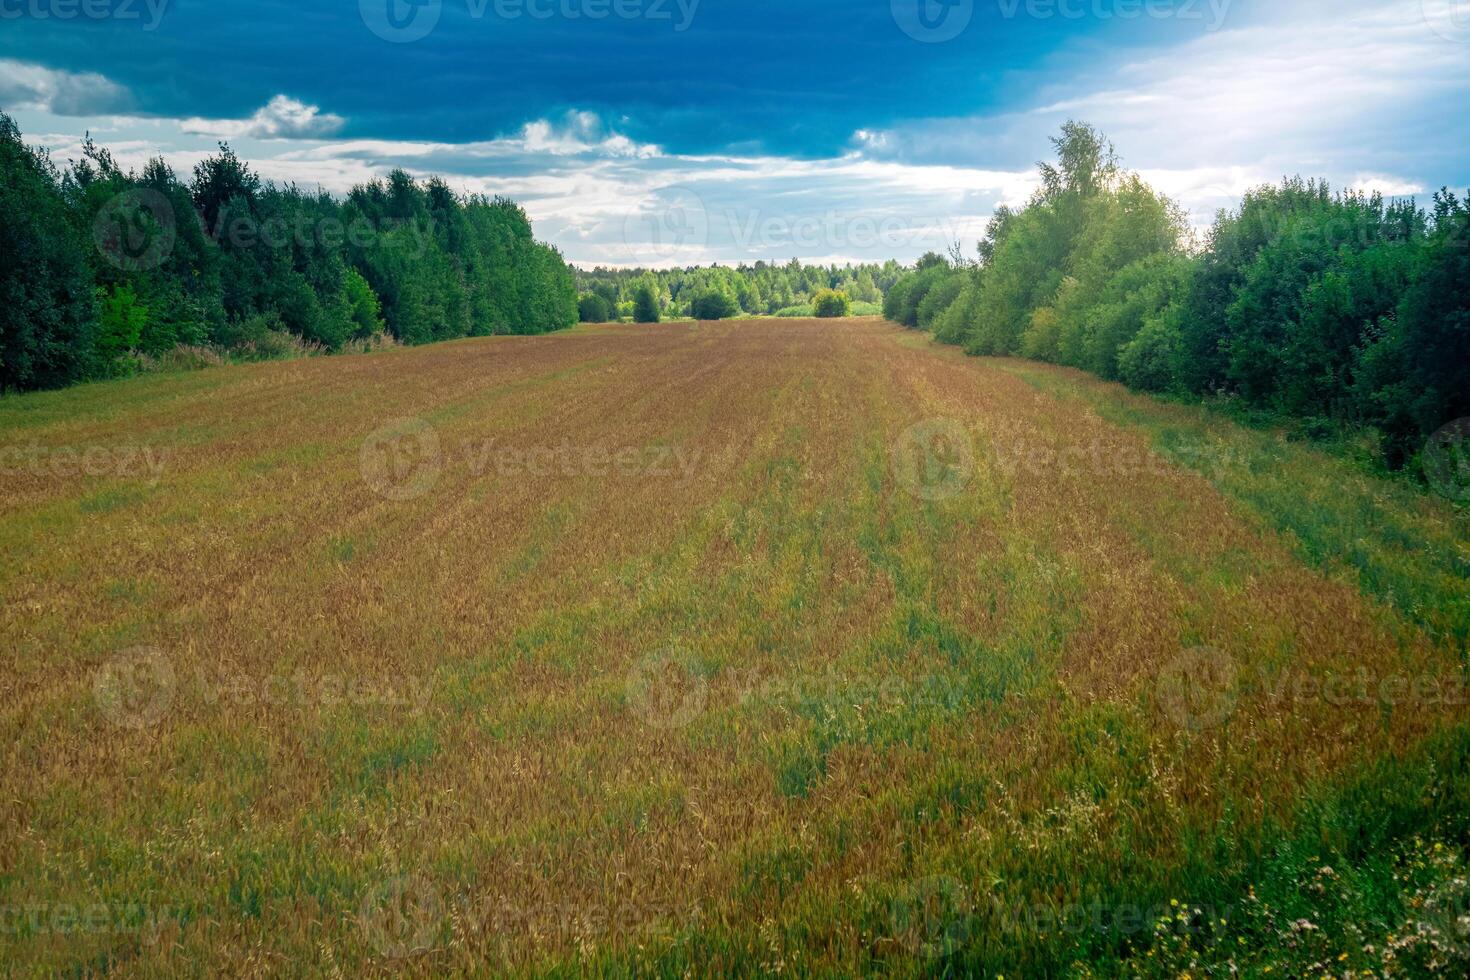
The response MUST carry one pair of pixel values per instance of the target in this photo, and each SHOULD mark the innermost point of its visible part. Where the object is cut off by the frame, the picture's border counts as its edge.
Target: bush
(831, 303)
(645, 304)
(185, 357)
(714, 304)
(592, 308)
(278, 345)
(1150, 361)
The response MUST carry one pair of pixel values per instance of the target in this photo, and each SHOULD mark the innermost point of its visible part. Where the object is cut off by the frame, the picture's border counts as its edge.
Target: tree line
(720, 292)
(1335, 308)
(104, 271)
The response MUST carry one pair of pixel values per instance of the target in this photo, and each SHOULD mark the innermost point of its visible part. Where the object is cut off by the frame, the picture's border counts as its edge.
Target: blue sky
(683, 131)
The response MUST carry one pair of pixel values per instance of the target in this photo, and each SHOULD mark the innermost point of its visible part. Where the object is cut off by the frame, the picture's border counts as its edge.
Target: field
(764, 646)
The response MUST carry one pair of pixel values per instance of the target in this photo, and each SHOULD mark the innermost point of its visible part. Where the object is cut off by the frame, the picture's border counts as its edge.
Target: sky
(683, 132)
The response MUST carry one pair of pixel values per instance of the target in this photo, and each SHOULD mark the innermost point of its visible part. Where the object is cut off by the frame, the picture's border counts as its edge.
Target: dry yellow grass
(703, 646)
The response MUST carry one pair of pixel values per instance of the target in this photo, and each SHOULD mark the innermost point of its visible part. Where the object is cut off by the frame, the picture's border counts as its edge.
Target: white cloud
(580, 133)
(29, 86)
(1387, 186)
(282, 118)
(1338, 91)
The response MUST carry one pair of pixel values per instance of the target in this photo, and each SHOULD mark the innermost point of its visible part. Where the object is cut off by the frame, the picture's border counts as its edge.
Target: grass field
(769, 646)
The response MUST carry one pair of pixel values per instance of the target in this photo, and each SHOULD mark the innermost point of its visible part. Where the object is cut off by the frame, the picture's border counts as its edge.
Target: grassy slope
(776, 711)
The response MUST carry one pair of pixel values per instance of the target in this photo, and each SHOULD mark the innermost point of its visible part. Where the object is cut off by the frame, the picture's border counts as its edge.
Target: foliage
(593, 308)
(762, 289)
(645, 302)
(831, 303)
(714, 302)
(1341, 307)
(99, 268)
(48, 319)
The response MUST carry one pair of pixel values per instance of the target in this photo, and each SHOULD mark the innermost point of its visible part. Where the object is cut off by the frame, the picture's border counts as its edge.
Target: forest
(720, 292)
(1337, 309)
(104, 273)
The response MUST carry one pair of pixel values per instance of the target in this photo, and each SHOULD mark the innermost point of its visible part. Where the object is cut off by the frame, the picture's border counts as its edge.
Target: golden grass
(636, 648)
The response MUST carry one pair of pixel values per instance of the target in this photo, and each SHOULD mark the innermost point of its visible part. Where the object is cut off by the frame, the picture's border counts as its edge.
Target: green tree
(47, 313)
(645, 303)
(831, 303)
(121, 321)
(592, 308)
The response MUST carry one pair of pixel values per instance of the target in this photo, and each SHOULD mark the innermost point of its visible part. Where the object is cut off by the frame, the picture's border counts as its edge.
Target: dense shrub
(714, 304)
(592, 308)
(831, 303)
(645, 303)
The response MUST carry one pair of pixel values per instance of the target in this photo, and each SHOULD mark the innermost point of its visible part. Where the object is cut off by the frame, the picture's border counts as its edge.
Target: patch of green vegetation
(1398, 545)
(109, 500)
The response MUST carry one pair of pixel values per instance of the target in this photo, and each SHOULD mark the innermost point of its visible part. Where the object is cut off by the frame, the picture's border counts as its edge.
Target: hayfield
(763, 646)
